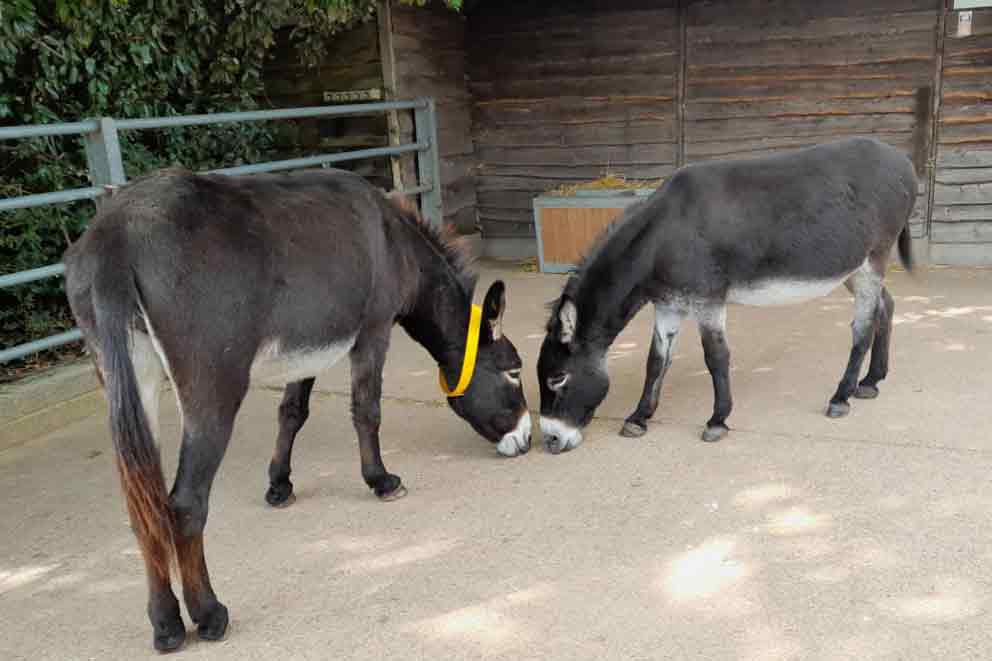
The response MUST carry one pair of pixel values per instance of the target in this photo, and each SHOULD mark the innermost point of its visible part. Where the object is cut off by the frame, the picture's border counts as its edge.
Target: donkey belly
(782, 291)
(274, 364)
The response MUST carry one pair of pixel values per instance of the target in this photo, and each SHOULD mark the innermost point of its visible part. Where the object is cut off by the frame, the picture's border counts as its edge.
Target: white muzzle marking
(559, 436)
(517, 441)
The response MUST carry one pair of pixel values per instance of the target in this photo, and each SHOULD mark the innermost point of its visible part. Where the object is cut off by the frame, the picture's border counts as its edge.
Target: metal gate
(106, 170)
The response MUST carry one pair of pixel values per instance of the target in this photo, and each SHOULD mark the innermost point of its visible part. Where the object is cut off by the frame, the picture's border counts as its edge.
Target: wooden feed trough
(567, 225)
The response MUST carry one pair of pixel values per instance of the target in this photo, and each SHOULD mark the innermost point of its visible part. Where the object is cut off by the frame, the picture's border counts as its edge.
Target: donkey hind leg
(878, 369)
(663, 344)
(163, 607)
(866, 284)
(367, 359)
(293, 412)
(207, 424)
(713, 331)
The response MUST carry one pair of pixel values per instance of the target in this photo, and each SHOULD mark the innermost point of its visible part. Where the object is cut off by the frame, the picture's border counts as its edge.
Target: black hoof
(715, 433)
(633, 429)
(280, 495)
(214, 625)
(395, 494)
(389, 488)
(865, 391)
(170, 640)
(838, 409)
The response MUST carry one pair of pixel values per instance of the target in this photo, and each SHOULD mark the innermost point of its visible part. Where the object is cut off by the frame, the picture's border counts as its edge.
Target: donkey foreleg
(878, 369)
(716, 351)
(663, 344)
(866, 284)
(367, 359)
(293, 412)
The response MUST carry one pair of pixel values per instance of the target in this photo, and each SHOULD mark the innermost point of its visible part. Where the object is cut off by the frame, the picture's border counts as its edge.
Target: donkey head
(572, 375)
(494, 403)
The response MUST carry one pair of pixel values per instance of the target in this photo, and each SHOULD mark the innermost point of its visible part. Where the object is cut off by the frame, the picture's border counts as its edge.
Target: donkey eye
(513, 376)
(558, 381)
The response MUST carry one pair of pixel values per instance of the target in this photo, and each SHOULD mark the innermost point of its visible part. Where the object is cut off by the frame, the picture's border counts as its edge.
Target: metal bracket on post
(428, 163)
(103, 156)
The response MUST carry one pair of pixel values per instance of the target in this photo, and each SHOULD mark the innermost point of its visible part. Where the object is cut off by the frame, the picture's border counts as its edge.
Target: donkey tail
(906, 249)
(139, 465)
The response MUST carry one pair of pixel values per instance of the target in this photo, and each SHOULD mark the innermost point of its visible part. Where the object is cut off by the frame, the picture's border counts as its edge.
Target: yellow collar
(471, 353)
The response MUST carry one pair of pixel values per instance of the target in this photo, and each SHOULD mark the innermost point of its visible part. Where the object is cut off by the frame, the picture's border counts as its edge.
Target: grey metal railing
(106, 169)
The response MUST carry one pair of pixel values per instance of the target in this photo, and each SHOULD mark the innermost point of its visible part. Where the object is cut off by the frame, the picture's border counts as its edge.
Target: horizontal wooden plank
(965, 134)
(729, 148)
(944, 194)
(700, 110)
(732, 73)
(964, 176)
(573, 110)
(496, 214)
(699, 89)
(464, 220)
(565, 135)
(507, 199)
(561, 20)
(574, 173)
(965, 232)
(617, 85)
(440, 24)
(962, 213)
(482, 53)
(964, 158)
(629, 63)
(650, 154)
(755, 127)
(758, 12)
(961, 254)
(429, 65)
(774, 28)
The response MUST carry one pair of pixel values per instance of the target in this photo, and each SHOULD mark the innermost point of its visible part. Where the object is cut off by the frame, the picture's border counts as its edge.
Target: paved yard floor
(797, 537)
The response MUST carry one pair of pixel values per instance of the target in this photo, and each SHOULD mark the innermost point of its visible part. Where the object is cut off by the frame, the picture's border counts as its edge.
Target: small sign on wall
(964, 24)
(373, 94)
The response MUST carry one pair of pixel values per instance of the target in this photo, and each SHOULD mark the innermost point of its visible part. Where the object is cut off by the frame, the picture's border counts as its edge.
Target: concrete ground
(797, 537)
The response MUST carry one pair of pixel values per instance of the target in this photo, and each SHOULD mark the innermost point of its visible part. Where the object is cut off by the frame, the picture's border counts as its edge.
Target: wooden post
(680, 91)
(938, 92)
(387, 55)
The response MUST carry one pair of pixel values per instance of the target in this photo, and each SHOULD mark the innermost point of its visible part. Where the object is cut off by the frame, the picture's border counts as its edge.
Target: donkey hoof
(633, 429)
(280, 495)
(838, 409)
(865, 391)
(715, 433)
(389, 488)
(170, 640)
(213, 626)
(395, 494)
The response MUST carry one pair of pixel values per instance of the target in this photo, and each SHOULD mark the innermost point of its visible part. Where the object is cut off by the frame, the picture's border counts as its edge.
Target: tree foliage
(64, 60)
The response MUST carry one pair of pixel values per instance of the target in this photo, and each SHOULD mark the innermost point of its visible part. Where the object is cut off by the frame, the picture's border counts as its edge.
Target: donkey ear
(492, 310)
(568, 320)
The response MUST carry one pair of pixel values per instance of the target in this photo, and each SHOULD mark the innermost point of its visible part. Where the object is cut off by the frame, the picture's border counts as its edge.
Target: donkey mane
(445, 242)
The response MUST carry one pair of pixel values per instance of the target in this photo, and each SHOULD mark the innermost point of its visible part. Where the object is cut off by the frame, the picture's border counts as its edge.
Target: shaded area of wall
(565, 92)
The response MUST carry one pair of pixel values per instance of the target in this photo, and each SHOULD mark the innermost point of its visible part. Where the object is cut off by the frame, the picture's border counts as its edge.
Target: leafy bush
(63, 60)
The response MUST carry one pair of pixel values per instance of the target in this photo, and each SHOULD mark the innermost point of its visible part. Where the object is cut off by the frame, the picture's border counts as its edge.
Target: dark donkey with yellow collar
(216, 281)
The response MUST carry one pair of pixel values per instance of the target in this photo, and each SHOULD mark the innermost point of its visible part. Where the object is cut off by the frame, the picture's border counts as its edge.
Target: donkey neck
(612, 286)
(438, 307)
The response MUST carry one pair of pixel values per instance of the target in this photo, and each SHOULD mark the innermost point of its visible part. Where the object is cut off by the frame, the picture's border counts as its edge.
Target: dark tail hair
(906, 249)
(138, 461)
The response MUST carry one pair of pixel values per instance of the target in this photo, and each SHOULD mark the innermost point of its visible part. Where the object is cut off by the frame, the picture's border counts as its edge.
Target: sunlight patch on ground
(11, 579)
(762, 494)
(490, 622)
(796, 521)
(704, 572)
(400, 557)
(951, 599)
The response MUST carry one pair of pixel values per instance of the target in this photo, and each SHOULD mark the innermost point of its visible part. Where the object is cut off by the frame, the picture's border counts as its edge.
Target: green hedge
(65, 60)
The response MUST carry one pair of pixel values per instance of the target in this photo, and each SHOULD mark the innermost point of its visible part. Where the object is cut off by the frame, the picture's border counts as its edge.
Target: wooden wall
(352, 62)
(764, 76)
(564, 92)
(429, 59)
(961, 229)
